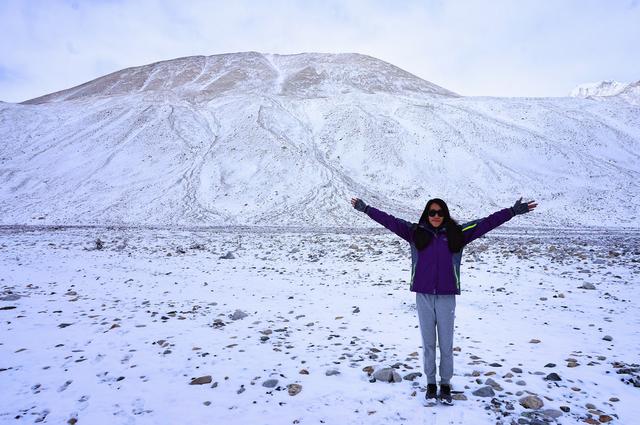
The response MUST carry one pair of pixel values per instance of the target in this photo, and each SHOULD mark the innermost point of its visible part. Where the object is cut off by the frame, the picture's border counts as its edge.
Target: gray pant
(437, 312)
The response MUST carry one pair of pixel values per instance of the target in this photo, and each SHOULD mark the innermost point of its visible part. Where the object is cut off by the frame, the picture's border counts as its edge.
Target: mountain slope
(286, 140)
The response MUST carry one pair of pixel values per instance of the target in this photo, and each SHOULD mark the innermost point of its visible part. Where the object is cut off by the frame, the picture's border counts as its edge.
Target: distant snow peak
(629, 92)
(602, 88)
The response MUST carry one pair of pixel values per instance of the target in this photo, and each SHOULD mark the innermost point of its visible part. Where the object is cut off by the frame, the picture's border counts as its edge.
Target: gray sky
(483, 47)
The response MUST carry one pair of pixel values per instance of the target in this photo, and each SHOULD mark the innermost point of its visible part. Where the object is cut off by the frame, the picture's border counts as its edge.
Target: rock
(238, 314)
(587, 285)
(387, 374)
(304, 372)
(550, 365)
(614, 399)
(516, 370)
(572, 364)
(534, 341)
(484, 392)
(356, 310)
(605, 418)
(270, 383)
(228, 256)
(590, 406)
(411, 376)
(521, 383)
(493, 384)
(294, 389)
(495, 365)
(531, 402)
(332, 372)
(460, 397)
(553, 377)
(368, 369)
(552, 413)
(201, 380)
(607, 338)
(565, 409)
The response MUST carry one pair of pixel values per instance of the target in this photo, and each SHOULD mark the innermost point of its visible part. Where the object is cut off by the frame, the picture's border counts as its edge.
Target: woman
(436, 244)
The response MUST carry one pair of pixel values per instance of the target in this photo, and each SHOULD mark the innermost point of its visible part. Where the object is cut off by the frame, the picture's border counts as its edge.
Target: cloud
(501, 48)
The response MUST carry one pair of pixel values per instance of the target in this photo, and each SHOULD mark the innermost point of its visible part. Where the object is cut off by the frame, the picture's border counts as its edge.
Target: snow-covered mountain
(251, 138)
(607, 90)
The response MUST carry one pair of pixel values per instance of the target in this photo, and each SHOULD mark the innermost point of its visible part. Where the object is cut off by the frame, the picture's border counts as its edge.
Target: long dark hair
(422, 236)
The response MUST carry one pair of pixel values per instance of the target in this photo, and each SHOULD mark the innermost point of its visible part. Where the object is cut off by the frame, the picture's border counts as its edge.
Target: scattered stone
(605, 418)
(459, 397)
(531, 402)
(590, 406)
(238, 314)
(64, 325)
(552, 413)
(608, 338)
(614, 399)
(521, 383)
(294, 389)
(270, 383)
(495, 365)
(486, 391)
(411, 376)
(516, 370)
(534, 341)
(565, 409)
(587, 285)
(553, 377)
(332, 372)
(304, 372)
(550, 365)
(368, 369)
(228, 256)
(201, 380)
(387, 374)
(493, 384)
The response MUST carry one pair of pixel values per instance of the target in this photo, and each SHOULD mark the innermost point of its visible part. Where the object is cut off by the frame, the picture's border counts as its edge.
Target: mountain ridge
(288, 147)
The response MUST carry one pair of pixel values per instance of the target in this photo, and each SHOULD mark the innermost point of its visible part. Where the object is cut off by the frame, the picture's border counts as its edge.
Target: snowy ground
(116, 335)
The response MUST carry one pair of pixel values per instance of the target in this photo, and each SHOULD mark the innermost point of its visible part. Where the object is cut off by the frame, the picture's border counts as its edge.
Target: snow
(141, 312)
(609, 90)
(253, 139)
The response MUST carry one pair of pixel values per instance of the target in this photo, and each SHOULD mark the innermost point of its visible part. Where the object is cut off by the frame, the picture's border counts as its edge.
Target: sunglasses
(433, 213)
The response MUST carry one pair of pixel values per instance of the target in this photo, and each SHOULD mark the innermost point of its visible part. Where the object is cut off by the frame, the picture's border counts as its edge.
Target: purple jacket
(435, 269)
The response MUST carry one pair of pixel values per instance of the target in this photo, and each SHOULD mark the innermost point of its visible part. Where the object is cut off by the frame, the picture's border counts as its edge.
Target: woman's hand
(358, 204)
(522, 208)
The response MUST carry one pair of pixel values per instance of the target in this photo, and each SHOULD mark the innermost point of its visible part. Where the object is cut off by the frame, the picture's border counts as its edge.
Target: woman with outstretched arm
(436, 244)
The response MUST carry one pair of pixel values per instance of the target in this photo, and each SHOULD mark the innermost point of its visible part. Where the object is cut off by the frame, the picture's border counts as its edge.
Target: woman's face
(436, 215)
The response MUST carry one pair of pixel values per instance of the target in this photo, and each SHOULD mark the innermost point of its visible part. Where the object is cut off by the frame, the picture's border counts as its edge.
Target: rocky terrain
(126, 325)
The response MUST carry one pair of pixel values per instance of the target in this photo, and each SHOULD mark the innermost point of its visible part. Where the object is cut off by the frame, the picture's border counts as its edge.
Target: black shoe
(432, 391)
(445, 394)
